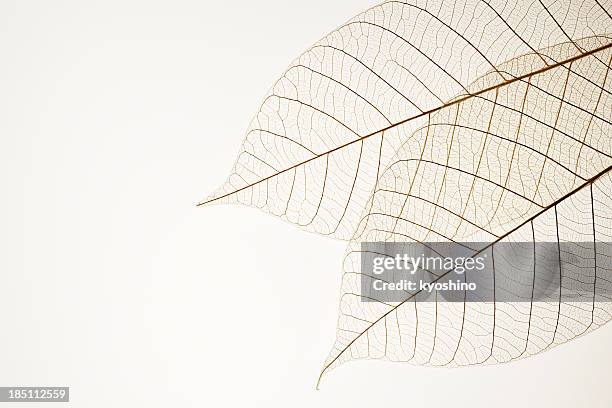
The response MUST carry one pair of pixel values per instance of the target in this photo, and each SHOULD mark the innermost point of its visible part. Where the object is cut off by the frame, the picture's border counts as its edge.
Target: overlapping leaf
(529, 161)
(330, 124)
(471, 333)
(470, 120)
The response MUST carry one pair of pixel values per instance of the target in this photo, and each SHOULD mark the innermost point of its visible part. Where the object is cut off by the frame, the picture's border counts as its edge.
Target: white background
(116, 117)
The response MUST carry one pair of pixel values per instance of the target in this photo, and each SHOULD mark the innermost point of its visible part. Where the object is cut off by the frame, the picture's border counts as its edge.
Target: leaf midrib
(505, 235)
(417, 116)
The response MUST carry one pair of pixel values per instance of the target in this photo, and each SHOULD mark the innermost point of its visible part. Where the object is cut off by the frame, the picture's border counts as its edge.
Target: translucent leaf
(526, 162)
(464, 121)
(339, 113)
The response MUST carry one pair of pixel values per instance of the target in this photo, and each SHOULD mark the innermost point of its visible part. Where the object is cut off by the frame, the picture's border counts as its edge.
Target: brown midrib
(530, 219)
(425, 113)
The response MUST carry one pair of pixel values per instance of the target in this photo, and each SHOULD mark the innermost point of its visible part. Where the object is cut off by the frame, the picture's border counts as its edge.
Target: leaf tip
(319, 381)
